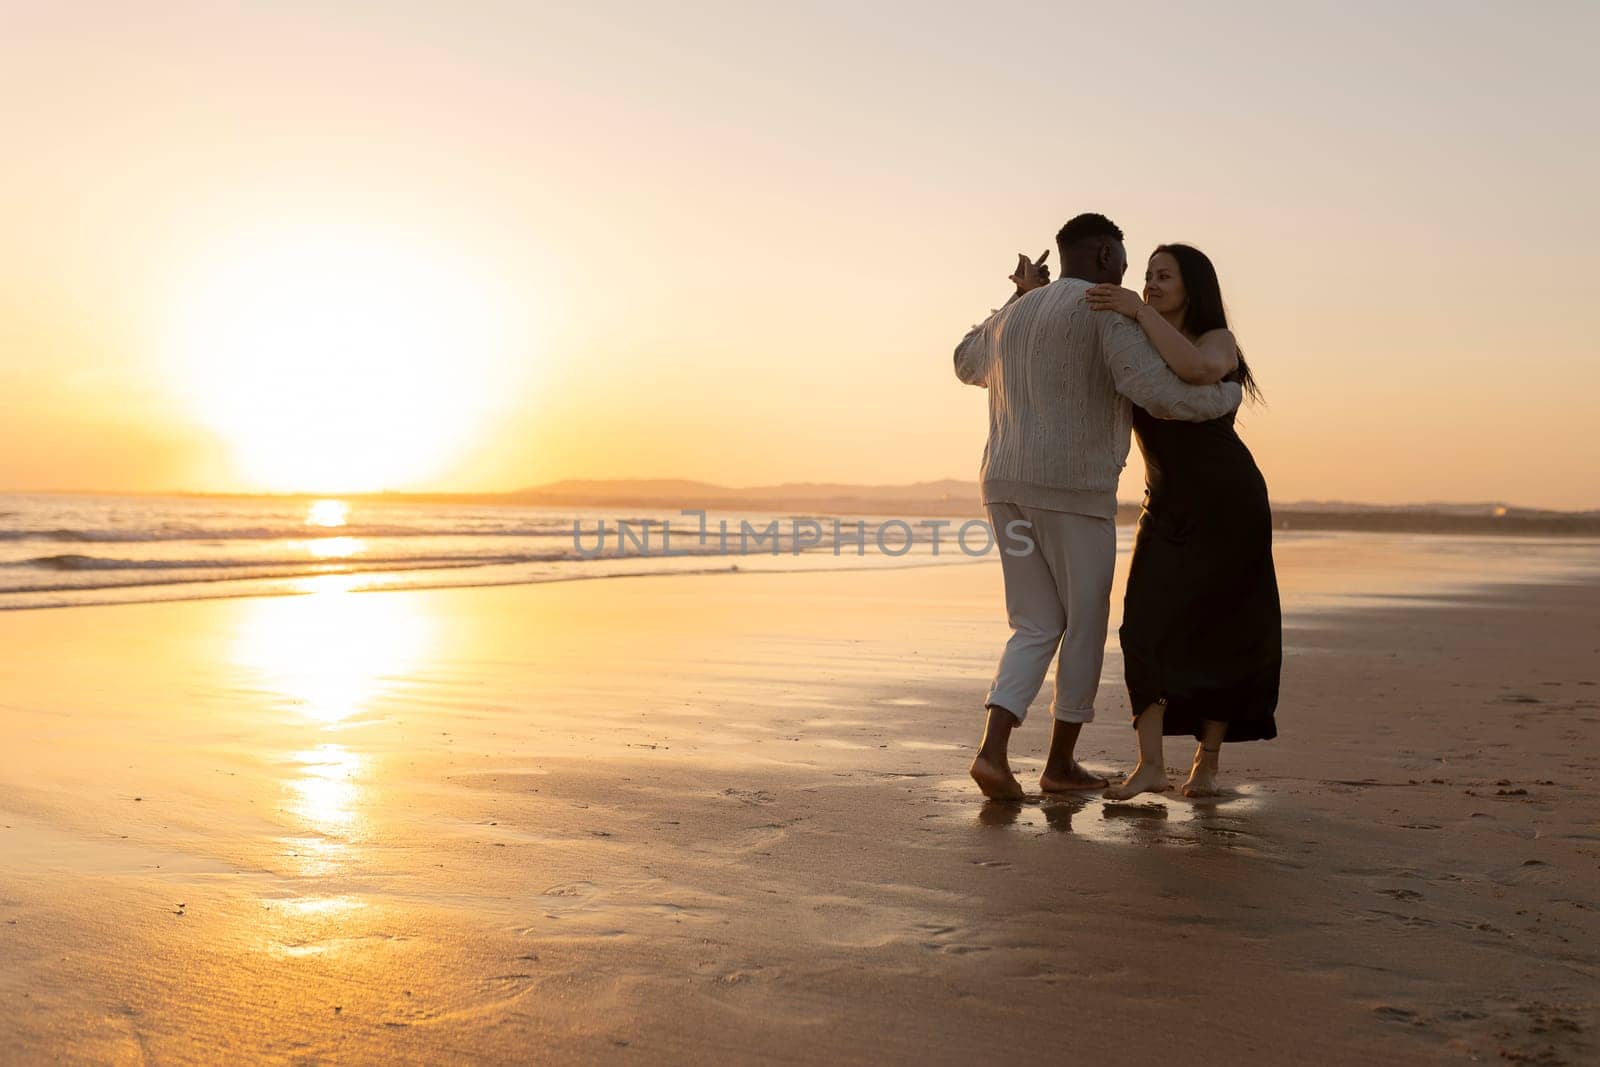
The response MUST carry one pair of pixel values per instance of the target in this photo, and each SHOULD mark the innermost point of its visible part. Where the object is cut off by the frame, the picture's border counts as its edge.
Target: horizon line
(553, 487)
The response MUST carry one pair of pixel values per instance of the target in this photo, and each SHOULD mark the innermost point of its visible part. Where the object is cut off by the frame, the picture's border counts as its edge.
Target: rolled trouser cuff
(1017, 708)
(1079, 715)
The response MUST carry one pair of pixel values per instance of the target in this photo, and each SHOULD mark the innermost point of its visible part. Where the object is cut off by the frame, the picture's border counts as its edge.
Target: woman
(1202, 639)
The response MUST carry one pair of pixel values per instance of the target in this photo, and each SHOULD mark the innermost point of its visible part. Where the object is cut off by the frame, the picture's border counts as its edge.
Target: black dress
(1201, 625)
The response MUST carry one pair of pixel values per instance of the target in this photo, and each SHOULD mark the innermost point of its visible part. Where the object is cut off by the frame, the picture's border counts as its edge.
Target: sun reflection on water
(327, 513)
(335, 547)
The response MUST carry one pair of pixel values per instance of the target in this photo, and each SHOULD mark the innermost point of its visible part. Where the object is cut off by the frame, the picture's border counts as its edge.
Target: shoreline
(378, 579)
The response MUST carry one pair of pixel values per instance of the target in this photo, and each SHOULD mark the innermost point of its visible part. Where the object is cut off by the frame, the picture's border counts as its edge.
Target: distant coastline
(951, 498)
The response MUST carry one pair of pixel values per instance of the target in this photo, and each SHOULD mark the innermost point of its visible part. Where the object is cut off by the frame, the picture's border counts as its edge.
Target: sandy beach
(690, 819)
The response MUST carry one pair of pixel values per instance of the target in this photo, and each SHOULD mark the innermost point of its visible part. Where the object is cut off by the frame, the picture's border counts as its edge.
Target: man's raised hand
(1031, 275)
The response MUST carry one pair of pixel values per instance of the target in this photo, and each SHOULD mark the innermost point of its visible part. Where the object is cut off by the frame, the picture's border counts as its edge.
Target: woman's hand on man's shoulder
(1108, 297)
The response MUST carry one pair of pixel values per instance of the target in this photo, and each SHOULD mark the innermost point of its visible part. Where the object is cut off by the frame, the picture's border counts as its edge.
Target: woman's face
(1163, 284)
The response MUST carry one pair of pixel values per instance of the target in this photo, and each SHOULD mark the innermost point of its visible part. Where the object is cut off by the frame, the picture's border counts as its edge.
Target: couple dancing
(1072, 367)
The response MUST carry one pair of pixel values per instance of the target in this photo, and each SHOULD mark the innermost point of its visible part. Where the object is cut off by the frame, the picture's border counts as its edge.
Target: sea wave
(277, 533)
(586, 529)
(73, 562)
(197, 577)
(82, 572)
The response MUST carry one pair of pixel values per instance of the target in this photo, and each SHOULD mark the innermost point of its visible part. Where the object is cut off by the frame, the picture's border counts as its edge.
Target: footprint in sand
(750, 796)
(1404, 920)
(1122, 809)
(942, 943)
(1401, 894)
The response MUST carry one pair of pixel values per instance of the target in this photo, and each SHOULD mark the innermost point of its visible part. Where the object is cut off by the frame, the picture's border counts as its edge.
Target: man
(1060, 381)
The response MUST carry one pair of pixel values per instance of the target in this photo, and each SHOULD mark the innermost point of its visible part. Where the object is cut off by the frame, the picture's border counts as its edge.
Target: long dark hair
(1204, 310)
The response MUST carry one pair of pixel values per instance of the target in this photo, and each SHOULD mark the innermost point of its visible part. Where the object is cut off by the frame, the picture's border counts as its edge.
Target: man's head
(1090, 247)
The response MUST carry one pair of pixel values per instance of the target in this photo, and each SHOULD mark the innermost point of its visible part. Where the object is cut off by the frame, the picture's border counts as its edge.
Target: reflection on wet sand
(325, 798)
(329, 655)
(1145, 820)
(328, 789)
(1060, 811)
(308, 926)
(325, 659)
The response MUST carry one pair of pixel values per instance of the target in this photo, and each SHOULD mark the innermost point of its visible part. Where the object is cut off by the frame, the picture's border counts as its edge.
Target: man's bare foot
(1203, 777)
(1144, 779)
(1074, 779)
(996, 780)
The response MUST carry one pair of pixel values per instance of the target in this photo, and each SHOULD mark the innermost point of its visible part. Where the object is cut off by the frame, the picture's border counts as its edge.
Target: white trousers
(1058, 600)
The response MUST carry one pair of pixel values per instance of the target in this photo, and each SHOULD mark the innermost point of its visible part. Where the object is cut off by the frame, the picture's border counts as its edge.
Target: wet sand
(726, 819)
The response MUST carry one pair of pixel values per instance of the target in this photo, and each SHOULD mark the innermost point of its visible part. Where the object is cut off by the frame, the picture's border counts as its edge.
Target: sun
(342, 361)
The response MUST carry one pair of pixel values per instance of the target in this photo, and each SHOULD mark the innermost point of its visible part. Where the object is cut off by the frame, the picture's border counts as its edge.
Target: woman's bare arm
(1204, 362)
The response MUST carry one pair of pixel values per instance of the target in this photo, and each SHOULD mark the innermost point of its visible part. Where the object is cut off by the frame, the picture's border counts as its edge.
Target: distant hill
(945, 497)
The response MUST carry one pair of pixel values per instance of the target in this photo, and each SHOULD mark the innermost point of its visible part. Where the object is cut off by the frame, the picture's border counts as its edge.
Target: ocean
(63, 550)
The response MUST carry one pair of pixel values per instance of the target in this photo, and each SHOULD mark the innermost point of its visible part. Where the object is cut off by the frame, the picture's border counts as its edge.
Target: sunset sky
(481, 246)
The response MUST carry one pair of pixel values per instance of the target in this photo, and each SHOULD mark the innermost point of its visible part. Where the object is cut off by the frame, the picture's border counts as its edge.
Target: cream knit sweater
(1062, 380)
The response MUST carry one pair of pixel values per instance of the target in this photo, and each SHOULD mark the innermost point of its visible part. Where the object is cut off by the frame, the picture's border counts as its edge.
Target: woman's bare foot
(1203, 777)
(996, 780)
(1074, 778)
(1144, 779)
